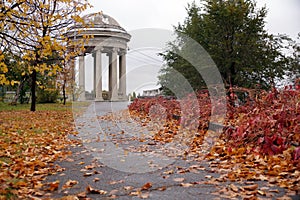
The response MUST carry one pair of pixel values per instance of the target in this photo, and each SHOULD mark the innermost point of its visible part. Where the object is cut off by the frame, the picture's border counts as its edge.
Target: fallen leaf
(146, 186)
(70, 197)
(234, 188)
(81, 195)
(39, 193)
(88, 174)
(128, 187)
(163, 188)
(144, 195)
(250, 187)
(284, 198)
(262, 193)
(53, 186)
(113, 192)
(95, 191)
(169, 172)
(69, 184)
(273, 180)
(116, 182)
(135, 193)
(186, 184)
(89, 167)
(178, 179)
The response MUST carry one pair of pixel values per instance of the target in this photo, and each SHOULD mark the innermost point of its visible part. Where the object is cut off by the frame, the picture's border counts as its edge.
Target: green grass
(48, 106)
(9, 195)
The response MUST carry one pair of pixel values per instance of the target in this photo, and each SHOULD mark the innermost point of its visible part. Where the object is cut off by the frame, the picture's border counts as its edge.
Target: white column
(113, 76)
(98, 76)
(81, 78)
(122, 76)
(94, 78)
(109, 74)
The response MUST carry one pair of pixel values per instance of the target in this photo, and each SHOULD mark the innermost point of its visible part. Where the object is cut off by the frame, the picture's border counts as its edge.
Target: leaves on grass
(29, 144)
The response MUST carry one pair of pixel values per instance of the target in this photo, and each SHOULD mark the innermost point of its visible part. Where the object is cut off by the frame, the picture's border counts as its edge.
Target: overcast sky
(283, 17)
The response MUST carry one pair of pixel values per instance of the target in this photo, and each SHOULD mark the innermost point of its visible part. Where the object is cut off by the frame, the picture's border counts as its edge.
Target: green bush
(47, 95)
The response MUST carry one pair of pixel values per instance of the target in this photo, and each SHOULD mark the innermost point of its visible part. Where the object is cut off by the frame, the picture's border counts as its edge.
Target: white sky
(283, 17)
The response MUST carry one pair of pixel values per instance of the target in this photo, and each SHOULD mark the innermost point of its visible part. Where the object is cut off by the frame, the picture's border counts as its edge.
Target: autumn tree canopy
(35, 31)
(233, 33)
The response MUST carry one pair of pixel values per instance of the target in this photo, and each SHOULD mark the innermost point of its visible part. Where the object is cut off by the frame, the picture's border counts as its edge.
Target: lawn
(29, 144)
(39, 107)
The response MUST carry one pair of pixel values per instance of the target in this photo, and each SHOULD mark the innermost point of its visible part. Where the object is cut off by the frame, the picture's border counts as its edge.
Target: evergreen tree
(233, 33)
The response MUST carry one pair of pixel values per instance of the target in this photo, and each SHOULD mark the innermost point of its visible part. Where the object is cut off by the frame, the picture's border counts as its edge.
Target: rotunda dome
(102, 31)
(102, 21)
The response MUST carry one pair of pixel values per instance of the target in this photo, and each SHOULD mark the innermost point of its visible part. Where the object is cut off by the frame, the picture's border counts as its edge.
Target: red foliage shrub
(269, 124)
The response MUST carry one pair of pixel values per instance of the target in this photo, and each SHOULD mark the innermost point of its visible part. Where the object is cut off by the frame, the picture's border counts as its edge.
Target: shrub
(47, 95)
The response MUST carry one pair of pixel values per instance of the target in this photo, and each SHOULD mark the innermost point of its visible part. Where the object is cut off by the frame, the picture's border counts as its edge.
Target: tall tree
(36, 30)
(233, 33)
(66, 79)
(15, 76)
(295, 61)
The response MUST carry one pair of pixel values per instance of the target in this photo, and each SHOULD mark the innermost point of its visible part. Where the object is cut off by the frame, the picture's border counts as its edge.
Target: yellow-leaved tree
(35, 31)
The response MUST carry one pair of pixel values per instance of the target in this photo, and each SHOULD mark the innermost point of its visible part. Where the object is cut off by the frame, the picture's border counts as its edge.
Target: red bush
(269, 124)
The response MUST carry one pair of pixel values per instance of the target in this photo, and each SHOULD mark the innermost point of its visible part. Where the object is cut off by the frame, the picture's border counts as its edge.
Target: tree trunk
(232, 76)
(17, 93)
(33, 86)
(64, 91)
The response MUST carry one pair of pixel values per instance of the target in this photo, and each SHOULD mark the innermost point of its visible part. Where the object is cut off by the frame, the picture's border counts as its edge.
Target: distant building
(152, 92)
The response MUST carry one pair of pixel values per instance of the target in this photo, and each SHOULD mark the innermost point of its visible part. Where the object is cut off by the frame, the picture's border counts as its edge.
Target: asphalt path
(117, 159)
